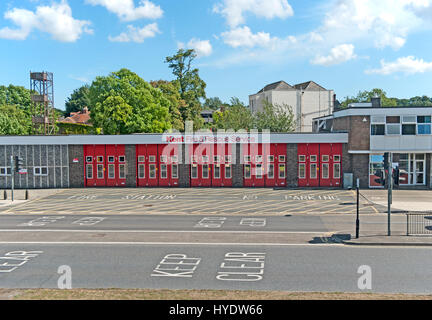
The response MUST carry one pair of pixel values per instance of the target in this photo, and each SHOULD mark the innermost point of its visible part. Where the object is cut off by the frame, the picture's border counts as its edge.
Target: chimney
(376, 102)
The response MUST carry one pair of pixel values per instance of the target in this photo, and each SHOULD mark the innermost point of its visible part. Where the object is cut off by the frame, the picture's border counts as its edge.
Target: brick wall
(292, 166)
(360, 169)
(131, 176)
(237, 169)
(76, 170)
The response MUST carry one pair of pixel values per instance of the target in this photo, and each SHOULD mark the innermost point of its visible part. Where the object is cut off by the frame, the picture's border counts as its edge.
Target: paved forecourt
(195, 201)
(236, 267)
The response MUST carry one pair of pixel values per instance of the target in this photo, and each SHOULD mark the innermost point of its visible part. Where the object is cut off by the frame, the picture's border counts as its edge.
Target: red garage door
(200, 155)
(222, 165)
(254, 165)
(147, 165)
(276, 166)
(168, 165)
(320, 165)
(115, 166)
(95, 158)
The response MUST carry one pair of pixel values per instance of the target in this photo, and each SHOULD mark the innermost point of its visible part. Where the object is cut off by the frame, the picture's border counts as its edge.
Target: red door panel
(142, 166)
(336, 167)
(201, 171)
(302, 154)
(326, 165)
(169, 170)
(152, 165)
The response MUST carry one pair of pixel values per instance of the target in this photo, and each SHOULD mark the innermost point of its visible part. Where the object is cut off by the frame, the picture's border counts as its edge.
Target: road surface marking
(176, 265)
(160, 231)
(239, 266)
(15, 259)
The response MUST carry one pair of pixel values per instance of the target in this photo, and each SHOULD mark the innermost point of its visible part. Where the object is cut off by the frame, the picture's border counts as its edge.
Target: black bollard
(27, 194)
(5, 195)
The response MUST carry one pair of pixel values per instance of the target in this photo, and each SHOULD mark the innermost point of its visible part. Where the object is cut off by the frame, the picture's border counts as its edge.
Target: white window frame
(230, 172)
(5, 174)
(40, 174)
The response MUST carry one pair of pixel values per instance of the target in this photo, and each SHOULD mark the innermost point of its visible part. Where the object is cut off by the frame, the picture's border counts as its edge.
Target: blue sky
(345, 45)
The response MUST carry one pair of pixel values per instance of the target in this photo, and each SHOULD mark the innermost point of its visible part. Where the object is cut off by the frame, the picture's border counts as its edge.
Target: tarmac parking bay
(194, 201)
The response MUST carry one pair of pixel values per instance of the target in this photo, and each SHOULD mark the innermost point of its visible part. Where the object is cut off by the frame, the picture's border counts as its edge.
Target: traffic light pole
(390, 190)
(13, 178)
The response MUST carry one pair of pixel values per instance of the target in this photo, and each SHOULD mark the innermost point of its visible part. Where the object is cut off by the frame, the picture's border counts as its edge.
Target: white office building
(307, 100)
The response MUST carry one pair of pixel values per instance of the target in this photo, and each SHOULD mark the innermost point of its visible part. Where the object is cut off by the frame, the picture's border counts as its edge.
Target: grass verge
(150, 294)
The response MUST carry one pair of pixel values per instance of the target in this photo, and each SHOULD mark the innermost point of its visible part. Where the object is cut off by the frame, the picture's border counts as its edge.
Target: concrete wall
(54, 157)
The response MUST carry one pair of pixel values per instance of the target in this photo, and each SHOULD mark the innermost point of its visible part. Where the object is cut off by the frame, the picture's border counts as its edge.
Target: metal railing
(419, 224)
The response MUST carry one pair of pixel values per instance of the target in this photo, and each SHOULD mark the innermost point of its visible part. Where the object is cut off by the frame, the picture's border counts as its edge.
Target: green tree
(14, 121)
(150, 108)
(16, 96)
(276, 118)
(191, 86)
(235, 116)
(366, 96)
(113, 115)
(78, 100)
(171, 91)
(214, 103)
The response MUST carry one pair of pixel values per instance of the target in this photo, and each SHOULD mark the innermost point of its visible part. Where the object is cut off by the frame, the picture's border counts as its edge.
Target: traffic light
(396, 175)
(380, 176)
(386, 160)
(19, 162)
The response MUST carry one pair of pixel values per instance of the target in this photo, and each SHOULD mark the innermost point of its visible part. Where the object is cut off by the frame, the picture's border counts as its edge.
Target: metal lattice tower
(42, 95)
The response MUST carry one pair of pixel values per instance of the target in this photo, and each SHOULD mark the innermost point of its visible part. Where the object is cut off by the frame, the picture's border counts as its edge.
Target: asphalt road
(288, 268)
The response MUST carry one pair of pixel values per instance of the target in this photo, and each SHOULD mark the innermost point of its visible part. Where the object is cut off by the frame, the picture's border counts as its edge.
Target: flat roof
(176, 138)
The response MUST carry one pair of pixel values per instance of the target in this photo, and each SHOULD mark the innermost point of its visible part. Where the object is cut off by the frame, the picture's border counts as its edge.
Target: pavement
(403, 200)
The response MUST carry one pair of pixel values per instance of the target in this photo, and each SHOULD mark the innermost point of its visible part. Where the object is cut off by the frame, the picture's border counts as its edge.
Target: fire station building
(349, 143)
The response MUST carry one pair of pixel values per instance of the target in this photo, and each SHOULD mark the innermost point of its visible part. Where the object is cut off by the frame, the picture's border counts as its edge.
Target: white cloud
(234, 10)
(338, 54)
(384, 23)
(137, 35)
(407, 65)
(245, 38)
(127, 11)
(203, 48)
(55, 20)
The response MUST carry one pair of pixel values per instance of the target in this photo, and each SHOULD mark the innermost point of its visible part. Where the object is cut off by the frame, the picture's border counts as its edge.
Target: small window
(141, 171)
(111, 159)
(302, 158)
(217, 172)
(89, 159)
(164, 174)
(100, 171)
(336, 171)
(377, 129)
(424, 129)
(122, 159)
(393, 119)
(194, 159)
(205, 171)
(40, 171)
(152, 171)
(247, 171)
(194, 171)
(141, 158)
(247, 159)
(424, 119)
(5, 171)
(313, 158)
(89, 171)
(325, 170)
(378, 119)
(174, 159)
(270, 158)
(302, 171)
(152, 159)
(409, 129)
(336, 158)
(282, 158)
(259, 159)
(259, 171)
(111, 171)
(174, 171)
(393, 129)
(325, 158)
(270, 174)
(228, 172)
(313, 171)
(216, 159)
(228, 159)
(205, 159)
(409, 119)
(122, 171)
(163, 159)
(100, 159)
(282, 171)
